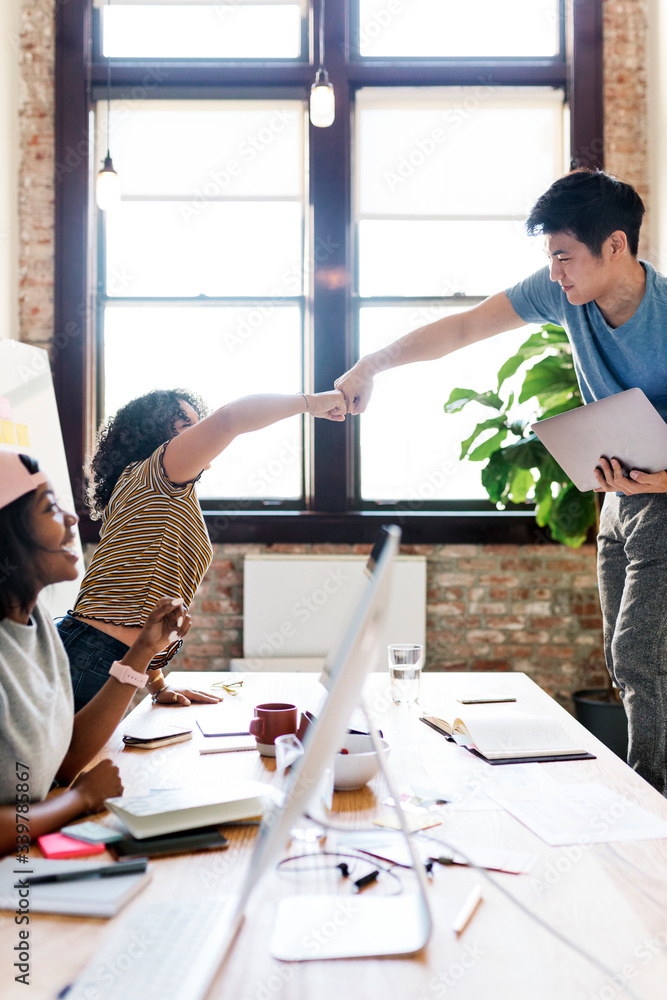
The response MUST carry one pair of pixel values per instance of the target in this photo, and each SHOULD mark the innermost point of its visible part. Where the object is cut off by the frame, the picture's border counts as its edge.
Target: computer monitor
(377, 925)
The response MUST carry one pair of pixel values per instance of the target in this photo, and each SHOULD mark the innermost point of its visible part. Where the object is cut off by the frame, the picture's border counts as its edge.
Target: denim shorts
(91, 653)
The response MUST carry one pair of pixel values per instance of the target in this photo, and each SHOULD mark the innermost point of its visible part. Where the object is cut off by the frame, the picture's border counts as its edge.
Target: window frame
(330, 451)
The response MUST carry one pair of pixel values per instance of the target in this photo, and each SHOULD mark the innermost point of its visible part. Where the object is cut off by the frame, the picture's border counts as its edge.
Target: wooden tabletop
(610, 899)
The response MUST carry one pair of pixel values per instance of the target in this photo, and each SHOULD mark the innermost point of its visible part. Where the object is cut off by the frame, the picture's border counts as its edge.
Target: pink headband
(15, 480)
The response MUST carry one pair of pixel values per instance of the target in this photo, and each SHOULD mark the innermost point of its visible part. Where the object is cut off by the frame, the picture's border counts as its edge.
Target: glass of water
(405, 665)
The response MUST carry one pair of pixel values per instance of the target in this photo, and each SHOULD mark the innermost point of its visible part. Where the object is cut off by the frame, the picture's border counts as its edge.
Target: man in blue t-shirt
(614, 309)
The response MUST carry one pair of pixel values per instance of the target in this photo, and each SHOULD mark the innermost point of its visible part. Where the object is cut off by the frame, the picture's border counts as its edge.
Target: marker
(108, 871)
(467, 911)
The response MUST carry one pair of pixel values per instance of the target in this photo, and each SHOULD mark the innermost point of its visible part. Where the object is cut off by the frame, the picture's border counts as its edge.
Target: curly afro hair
(133, 434)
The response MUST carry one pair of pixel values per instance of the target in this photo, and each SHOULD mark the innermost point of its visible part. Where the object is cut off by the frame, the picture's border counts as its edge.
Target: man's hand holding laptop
(611, 478)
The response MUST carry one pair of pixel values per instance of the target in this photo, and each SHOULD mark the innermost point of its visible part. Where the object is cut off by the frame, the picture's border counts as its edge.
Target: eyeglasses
(230, 687)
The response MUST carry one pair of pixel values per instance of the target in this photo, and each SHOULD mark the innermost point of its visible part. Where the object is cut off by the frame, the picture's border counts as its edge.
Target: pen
(232, 734)
(107, 871)
(467, 911)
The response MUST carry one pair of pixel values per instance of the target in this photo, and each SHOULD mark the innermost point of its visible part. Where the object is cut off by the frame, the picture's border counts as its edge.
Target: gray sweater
(36, 705)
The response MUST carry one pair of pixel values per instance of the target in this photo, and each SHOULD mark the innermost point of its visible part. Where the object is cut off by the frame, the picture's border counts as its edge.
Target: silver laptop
(625, 426)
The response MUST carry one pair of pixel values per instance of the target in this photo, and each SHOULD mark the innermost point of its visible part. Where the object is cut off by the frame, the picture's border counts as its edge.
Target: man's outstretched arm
(426, 343)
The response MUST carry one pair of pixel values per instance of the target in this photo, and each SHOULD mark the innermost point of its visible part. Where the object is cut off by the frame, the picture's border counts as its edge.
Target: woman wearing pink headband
(41, 739)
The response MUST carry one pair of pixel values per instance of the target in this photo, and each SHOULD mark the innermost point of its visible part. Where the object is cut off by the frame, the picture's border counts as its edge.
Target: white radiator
(295, 608)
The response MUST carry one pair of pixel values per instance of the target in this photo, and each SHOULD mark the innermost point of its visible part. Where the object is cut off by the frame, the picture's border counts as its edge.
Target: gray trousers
(632, 573)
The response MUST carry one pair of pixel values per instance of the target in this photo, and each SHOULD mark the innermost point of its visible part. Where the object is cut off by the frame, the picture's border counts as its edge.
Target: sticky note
(22, 435)
(5, 408)
(7, 431)
(55, 845)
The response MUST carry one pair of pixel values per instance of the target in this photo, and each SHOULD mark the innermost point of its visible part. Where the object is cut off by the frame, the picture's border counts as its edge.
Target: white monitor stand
(352, 926)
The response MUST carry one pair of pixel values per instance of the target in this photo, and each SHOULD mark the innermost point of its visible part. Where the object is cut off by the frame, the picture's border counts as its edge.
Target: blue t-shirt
(606, 360)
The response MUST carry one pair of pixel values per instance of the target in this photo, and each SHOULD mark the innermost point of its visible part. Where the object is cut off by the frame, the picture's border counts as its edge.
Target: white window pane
(181, 249)
(222, 354)
(205, 150)
(411, 451)
(215, 31)
(452, 28)
(458, 155)
(444, 258)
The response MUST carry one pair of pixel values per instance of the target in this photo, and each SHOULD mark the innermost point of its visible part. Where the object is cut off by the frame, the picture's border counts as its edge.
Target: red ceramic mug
(272, 719)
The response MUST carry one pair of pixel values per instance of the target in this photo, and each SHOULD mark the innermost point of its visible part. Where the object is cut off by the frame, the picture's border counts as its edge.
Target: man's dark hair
(19, 583)
(133, 434)
(590, 205)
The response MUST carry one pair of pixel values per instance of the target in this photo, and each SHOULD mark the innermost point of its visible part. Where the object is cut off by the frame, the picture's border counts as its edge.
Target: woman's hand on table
(184, 696)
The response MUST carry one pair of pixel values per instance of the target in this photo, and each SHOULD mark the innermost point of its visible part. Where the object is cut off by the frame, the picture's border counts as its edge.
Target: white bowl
(359, 765)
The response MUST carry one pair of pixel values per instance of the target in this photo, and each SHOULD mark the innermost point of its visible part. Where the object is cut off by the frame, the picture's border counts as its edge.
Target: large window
(201, 280)
(252, 252)
(444, 179)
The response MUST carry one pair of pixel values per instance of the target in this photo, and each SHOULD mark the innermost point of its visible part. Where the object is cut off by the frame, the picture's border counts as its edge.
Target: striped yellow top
(153, 543)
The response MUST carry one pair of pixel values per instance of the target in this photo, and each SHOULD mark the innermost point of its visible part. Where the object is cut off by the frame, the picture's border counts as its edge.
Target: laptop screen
(347, 670)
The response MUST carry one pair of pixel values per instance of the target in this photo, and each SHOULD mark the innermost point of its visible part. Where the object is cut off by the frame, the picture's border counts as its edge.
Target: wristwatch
(126, 675)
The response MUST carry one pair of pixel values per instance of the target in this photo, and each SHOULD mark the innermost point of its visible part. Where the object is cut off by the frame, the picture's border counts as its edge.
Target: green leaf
(556, 334)
(572, 515)
(487, 448)
(497, 423)
(543, 509)
(529, 453)
(461, 397)
(571, 402)
(521, 483)
(537, 343)
(552, 375)
(495, 477)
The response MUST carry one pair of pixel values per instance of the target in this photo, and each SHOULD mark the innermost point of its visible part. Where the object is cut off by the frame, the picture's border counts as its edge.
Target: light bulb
(107, 188)
(322, 101)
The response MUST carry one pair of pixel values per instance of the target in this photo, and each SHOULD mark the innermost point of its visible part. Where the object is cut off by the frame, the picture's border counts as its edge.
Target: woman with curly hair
(41, 738)
(153, 539)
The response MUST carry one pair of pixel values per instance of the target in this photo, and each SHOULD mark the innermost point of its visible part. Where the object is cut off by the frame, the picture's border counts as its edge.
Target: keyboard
(171, 949)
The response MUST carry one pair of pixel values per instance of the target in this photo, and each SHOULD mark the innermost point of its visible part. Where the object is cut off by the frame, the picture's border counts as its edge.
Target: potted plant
(519, 469)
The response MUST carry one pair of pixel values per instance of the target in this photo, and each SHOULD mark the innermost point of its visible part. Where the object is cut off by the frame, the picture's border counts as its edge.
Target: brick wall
(532, 608)
(36, 167)
(489, 607)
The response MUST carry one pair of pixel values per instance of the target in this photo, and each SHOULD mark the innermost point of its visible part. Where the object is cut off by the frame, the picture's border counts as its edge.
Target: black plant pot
(605, 719)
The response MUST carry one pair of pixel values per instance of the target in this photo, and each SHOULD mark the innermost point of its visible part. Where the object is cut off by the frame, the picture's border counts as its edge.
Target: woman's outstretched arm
(194, 448)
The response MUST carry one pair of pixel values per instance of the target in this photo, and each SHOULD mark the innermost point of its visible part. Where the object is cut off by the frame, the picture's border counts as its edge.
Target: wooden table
(609, 898)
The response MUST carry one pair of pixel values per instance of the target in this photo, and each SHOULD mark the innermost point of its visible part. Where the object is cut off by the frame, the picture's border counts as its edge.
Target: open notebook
(509, 737)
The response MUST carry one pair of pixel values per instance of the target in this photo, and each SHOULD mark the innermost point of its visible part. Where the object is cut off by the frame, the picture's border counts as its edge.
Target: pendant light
(322, 99)
(107, 187)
